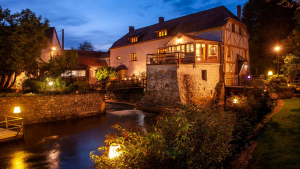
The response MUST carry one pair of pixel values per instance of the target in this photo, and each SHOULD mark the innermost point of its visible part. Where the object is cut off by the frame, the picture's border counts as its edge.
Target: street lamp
(277, 48)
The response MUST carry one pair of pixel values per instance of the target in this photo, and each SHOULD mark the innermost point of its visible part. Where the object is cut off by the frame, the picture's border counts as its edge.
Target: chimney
(131, 28)
(239, 12)
(63, 40)
(161, 19)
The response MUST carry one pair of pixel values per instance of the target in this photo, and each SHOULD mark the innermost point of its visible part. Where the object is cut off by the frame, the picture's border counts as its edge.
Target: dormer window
(162, 33)
(133, 39)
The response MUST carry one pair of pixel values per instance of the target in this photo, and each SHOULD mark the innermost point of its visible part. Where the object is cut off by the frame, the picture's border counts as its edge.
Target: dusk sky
(104, 22)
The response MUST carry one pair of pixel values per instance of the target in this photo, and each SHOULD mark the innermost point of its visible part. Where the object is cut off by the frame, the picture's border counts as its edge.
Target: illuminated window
(119, 57)
(192, 47)
(133, 57)
(162, 33)
(173, 49)
(188, 48)
(182, 51)
(178, 48)
(213, 53)
(133, 40)
(203, 51)
(233, 27)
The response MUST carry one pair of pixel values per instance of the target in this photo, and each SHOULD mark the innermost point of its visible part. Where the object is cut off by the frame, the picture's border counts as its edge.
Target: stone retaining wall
(169, 85)
(39, 109)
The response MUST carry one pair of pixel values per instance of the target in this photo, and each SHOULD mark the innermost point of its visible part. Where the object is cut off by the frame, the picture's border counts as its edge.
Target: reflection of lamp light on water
(17, 110)
(235, 101)
(113, 151)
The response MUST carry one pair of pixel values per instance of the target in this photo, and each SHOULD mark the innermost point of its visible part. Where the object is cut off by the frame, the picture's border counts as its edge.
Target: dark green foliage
(268, 23)
(58, 64)
(184, 137)
(250, 109)
(81, 86)
(22, 38)
(86, 46)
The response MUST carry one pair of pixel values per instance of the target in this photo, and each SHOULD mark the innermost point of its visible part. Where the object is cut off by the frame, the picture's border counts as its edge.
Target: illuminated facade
(212, 37)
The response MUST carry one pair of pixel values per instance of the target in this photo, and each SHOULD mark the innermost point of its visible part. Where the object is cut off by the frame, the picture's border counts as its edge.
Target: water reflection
(67, 144)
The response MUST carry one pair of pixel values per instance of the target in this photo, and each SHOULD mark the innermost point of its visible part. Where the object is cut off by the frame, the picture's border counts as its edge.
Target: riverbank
(47, 108)
(278, 146)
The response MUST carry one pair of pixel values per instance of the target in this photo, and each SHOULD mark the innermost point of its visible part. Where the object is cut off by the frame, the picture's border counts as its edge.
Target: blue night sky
(104, 22)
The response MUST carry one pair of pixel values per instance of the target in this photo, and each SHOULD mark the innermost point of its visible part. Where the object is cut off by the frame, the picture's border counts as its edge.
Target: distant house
(88, 62)
(54, 47)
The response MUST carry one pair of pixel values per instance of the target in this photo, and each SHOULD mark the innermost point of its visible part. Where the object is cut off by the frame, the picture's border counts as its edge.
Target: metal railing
(170, 58)
(12, 123)
(245, 81)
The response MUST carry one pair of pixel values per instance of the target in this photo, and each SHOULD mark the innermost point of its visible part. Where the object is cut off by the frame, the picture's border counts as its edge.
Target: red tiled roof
(94, 54)
(207, 19)
(88, 61)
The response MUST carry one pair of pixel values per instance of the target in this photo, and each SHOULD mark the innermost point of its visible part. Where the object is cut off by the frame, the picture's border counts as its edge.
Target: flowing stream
(67, 144)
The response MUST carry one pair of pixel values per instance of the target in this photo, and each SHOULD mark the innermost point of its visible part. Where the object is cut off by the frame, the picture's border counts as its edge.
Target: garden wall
(46, 108)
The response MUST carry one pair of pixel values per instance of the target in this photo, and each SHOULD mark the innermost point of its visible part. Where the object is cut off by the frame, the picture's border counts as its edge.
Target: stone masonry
(46, 108)
(169, 85)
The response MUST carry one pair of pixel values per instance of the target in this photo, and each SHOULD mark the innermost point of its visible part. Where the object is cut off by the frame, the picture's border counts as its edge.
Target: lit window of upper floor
(162, 33)
(133, 39)
(118, 57)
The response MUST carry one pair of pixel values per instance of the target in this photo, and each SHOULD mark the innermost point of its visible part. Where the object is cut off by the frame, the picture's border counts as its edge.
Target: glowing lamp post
(50, 83)
(235, 101)
(113, 151)
(277, 48)
(270, 73)
(17, 110)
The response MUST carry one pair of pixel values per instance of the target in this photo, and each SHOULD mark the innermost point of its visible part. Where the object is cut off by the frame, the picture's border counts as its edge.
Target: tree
(22, 38)
(86, 46)
(268, 23)
(291, 66)
(57, 65)
(106, 73)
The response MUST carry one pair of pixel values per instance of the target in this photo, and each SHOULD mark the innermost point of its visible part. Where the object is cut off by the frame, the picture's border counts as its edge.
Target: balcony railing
(245, 81)
(170, 58)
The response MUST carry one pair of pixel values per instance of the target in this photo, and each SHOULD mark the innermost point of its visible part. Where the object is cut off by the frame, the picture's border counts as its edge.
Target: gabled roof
(207, 19)
(50, 33)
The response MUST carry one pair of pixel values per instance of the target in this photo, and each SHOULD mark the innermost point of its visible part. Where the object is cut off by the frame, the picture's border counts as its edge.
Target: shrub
(183, 137)
(250, 109)
(32, 85)
(81, 86)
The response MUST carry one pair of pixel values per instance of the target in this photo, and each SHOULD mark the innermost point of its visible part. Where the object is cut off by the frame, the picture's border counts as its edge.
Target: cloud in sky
(103, 22)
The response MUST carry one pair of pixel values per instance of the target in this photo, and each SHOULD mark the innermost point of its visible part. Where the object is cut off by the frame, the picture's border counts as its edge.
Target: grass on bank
(279, 145)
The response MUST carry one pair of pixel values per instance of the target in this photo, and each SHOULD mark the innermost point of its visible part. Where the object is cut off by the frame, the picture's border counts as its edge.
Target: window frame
(133, 39)
(133, 57)
(162, 33)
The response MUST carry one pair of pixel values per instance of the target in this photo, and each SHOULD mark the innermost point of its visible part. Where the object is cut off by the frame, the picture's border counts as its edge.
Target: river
(67, 144)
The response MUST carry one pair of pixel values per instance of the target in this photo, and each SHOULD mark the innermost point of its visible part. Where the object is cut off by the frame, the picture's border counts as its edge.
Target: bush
(250, 109)
(32, 85)
(183, 137)
(81, 86)
(285, 92)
